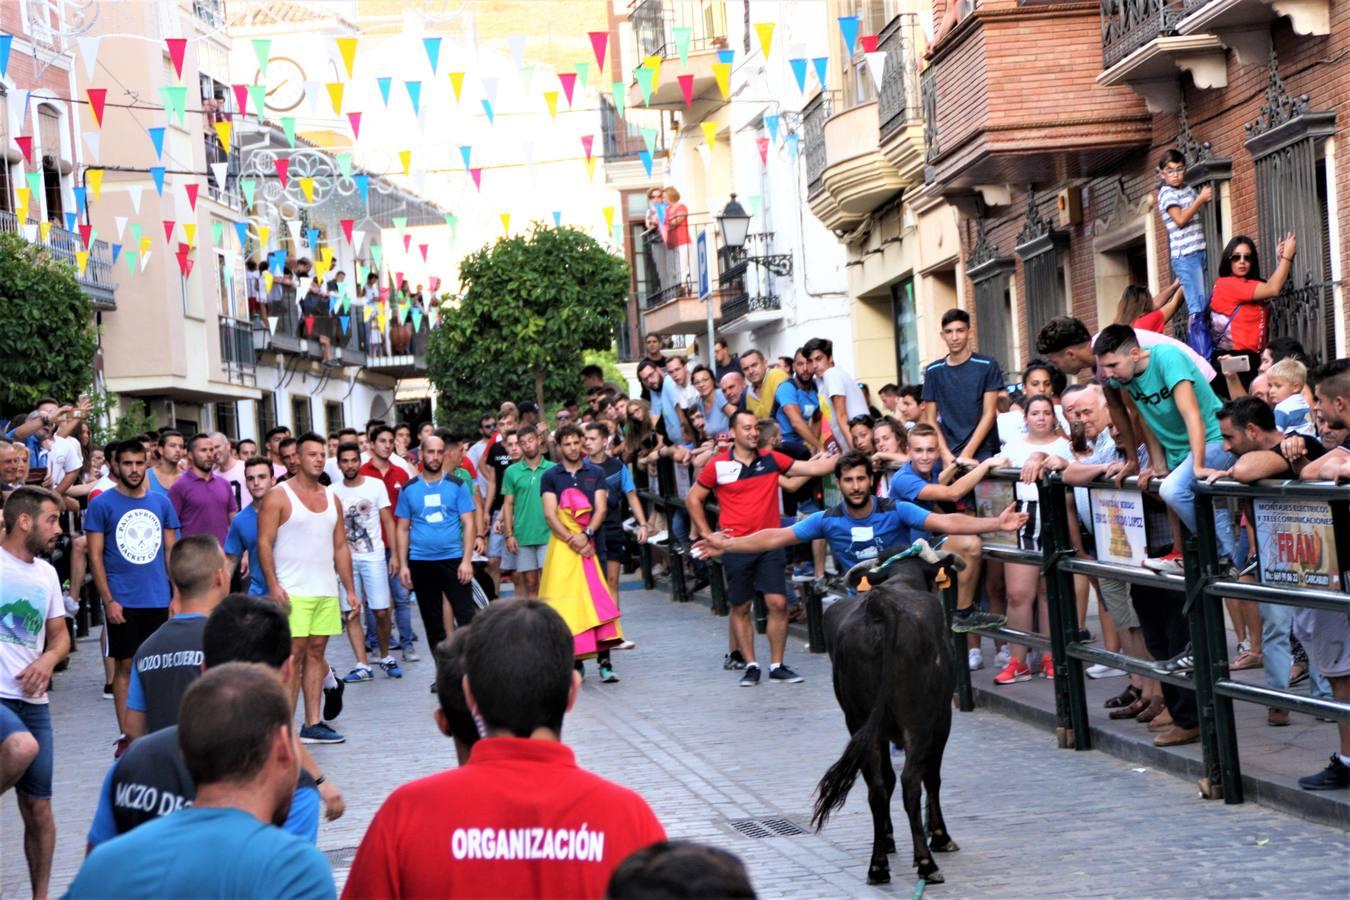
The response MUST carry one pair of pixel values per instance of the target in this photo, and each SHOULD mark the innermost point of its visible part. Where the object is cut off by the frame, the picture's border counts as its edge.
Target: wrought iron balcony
(820, 108)
(659, 26)
(1128, 25)
(744, 304)
(898, 102)
(928, 91)
(624, 135)
(63, 245)
(1306, 313)
(237, 354)
(669, 293)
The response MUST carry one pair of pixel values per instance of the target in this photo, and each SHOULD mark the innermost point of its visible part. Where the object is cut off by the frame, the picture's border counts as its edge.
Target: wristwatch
(589, 532)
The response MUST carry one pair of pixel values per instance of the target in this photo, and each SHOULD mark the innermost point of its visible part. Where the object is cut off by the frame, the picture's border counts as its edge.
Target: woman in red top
(677, 238)
(1239, 305)
(1140, 310)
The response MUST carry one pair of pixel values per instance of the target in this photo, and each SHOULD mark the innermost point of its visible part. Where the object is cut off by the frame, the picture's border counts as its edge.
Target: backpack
(1210, 331)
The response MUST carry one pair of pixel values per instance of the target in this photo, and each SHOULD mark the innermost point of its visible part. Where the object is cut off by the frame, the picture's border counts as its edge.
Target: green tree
(47, 337)
(529, 309)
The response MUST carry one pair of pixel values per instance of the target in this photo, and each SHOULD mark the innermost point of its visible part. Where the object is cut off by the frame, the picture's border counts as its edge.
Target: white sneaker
(626, 645)
(658, 538)
(630, 525)
(1002, 657)
(410, 655)
(1103, 671)
(975, 658)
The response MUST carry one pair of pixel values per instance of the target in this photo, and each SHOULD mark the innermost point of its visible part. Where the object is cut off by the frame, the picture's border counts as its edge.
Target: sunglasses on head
(488, 425)
(1240, 257)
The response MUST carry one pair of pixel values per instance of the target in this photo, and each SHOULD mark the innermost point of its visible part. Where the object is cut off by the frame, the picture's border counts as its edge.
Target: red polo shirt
(394, 480)
(747, 495)
(520, 819)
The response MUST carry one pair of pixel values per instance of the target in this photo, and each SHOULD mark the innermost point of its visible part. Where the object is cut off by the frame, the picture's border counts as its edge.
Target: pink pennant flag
(347, 228)
(309, 324)
(869, 42)
(434, 283)
(192, 194)
(97, 97)
(241, 97)
(424, 248)
(26, 148)
(569, 83)
(477, 178)
(599, 41)
(355, 119)
(398, 277)
(85, 231)
(283, 169)
(687, 88)
(407, 244)
(763, 150)
(168, 231)
(177, 47)
(587, 142)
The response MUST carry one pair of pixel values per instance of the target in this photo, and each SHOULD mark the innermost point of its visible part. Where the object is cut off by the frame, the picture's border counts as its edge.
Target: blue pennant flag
(487, 107)
(433, 48)
(384, 89)
(277, 262)
(346, 322)
(80, 194)
(799, 72)
(771, 123)
(466, 152)
(71, 219)
(241, 231)
(646, 158)
(848, 29)
(557, 218)
(312, 237)
(726, 56)
(363, 185)
(157, 173)
(822, 64)
(157, 138)
(116, 252)
(793, 142)
(415, 95)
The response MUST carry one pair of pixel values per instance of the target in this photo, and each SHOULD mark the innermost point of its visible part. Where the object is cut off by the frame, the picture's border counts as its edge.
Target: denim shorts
(371, 576)
(36, 719)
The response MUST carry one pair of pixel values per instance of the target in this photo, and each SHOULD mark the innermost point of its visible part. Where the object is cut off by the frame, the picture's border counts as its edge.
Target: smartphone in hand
(1231, 365)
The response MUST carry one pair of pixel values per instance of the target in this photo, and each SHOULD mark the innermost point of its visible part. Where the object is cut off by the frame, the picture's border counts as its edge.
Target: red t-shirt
(677, 234)
(1152, 321)
(394, 480)
(1248, 328)
(747, 496)
(520, 819)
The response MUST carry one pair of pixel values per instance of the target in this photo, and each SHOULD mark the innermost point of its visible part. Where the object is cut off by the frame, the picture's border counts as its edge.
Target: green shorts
(315, 616)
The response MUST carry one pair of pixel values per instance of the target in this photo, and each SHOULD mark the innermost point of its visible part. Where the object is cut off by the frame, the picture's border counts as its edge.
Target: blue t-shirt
(133, 546)
(958, 392)
(715, 421)
(243, 538)
(434, 510)
(890, 524)
(792, 393)
(618, 482)
(907, 483)
(153, 481)
(205, 852)
(671, 394)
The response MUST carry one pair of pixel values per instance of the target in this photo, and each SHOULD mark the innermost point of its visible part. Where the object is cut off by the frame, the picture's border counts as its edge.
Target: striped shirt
(1181, 241)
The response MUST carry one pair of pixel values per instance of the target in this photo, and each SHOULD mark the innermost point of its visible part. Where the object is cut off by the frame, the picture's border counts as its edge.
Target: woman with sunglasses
(1240, 304)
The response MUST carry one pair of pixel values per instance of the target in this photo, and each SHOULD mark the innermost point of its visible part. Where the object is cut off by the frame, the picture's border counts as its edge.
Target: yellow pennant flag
(590, 167)
(551, 98)
(21, 209)
(405, 157)
(82, 260)
(383, 321)
(335, 94)
(223, 131)
(654, 63)
(190, 232)
(347, 47)
(307, 185)
(94, 177)
(326, 254)
(267, 280)
(506, 223)
(765, 32)
(44, 229)
(457, 83)
(609, 218)
(722, 72)
(320, 267)
(709, 132)
(145, 246)
(264, 232)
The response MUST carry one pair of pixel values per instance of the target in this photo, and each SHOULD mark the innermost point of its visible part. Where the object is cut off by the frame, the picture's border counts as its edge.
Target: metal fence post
(717, 586)
(1209, 643)
(965, 697)
(1070, 692)
(814, 601)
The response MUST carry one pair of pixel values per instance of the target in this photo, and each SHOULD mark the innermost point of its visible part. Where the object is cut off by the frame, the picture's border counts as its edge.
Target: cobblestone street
(1030, 819)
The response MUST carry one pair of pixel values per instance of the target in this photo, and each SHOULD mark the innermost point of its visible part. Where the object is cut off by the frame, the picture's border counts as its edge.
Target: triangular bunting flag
(88, 53)
(288, 127)
(283, 170)
(646, 161)
(551, 100)
(347, 225)
(134, 192)
(157, 173)
(764, 30)
(477, 175)
(414, 95)
(798, 67)
(587, 142)
(363, 185)
(722, 72)
(384, 83)
(687, 89)
(220, 171)
(168, 230)
(821, 64)
(876, 66)
(241, 233)
(583, 73)
(608, 212)
(174, 99)
(457, 83)
(177, 48)
(464, 153)
(619, 94)
(869, 42)
(335, 95)
(763, 144)
(157, 138)
(26, 146)
(97, 98)
(653, 64)
(344, 161)
(258, 94)
(848, 30)
(771, 122)
(6, 44)
(355, 119)
(423, 249)
(240, 97)
(224, 131)
(191, 189)
(433, 47)
(682, 38)
(599, 42)
(248, 186)
(569, 83)
(307, 188)
(347, 49)
(94, 178)
(487, 109)
(405, 158)
(262, 48)
(644, 77)
(190, 232)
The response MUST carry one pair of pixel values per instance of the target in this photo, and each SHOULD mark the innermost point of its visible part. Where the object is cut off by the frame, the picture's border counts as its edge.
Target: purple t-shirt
(204, 507)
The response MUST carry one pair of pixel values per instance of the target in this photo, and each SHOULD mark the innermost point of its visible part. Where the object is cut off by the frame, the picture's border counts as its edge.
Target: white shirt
(361, 507)
(30, 596)
(838, 383)
(63, 458)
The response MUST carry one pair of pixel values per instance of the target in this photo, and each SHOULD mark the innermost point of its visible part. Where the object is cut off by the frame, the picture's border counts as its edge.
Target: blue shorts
(748, 574)
(36, 719)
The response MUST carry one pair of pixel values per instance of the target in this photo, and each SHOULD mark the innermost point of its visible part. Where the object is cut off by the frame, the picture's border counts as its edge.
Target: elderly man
(733, 388)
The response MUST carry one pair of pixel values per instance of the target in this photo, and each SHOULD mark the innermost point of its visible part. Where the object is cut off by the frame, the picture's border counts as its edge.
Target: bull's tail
(838, 779)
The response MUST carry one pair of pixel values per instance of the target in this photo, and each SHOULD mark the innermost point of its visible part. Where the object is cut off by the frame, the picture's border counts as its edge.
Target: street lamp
(734, 223)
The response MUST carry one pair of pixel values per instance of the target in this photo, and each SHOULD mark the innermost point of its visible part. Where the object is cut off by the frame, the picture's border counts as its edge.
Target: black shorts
(748, 574)
(611, 548)
(125, 639)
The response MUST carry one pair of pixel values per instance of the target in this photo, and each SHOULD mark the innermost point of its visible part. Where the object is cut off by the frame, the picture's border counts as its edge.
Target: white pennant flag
(272, 324)
(517, 44)
(705, 154)
(30, 232)
(134, 192)
(91, 139)
(420, 180)
(293, 226)
(303, 287)
(490, 90)
(218, 169)
(312, 91)
(121, 223)
(876, 64)
(88, 54)
(358, 238)
(17, 112)
(145, 260)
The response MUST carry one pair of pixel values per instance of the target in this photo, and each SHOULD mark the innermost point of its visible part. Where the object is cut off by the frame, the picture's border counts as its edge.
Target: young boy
(1286, 380)
(1179, 206)
(910, 404)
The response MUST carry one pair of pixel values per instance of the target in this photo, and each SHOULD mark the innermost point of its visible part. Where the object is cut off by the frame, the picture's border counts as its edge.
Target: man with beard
(33, 639)
(238, 745)
(204, 501)
(131, 532)
(165, 469)
(796, 405)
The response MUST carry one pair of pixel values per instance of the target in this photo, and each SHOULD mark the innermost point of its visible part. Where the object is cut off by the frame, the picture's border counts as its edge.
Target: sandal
(1246, 660)
(1124, 698)
(1129, 712)
(1154, 709)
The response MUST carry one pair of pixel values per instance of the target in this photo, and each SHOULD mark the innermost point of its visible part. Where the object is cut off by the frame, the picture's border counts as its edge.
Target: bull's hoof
(942, 843)
(929, 872)
(879, 874)
(890, 844)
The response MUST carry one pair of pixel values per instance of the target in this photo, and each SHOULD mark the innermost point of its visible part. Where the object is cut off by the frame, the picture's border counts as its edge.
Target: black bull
(893, 679)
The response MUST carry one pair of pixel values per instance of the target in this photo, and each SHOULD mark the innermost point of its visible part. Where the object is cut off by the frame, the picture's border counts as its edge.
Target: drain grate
(341, 858)
(767, 827)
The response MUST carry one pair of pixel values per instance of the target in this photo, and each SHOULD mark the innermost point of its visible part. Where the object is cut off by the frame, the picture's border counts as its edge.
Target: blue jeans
(1190, 270)
(1178, 492)
(402, 617)
(1276, 621)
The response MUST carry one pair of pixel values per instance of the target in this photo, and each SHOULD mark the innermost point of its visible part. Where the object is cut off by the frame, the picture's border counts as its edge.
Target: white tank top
(303, 552)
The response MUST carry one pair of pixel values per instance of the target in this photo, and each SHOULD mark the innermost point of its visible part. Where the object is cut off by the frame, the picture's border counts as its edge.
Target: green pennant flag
(649, 137)
(377, 254)
(452, 220)
(130, 257)
(620, 94)
(34, 186)
(756, 200)
(583, 73)
(257, 95)
(344, 161)
(288, 125)
(346, 301)
(136, 235)
(217, 233)
(175, 101)
(682, 37)
(362, 272)
(644, 77)
(400, 222)
(262, 48)
(248, 186)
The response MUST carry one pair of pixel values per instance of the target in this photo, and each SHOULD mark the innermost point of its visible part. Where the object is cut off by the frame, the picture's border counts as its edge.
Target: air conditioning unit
(1070, 205)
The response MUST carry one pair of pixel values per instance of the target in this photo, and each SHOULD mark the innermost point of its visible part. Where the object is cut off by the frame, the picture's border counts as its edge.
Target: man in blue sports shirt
(243, 537)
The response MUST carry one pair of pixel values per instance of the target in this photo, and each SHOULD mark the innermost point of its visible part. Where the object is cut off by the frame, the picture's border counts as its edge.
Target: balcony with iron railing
(1244, 25)
(671, 29)
(399, 349)
(814, 114)
(238, 356)
(1143, 48)
(626, 137)
(97, 278)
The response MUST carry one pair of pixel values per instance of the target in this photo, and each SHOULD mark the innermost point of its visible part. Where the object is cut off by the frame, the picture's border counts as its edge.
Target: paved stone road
(1030, 819)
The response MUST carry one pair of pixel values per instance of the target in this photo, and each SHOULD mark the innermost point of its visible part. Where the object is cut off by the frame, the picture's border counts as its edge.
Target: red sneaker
(1016, 671)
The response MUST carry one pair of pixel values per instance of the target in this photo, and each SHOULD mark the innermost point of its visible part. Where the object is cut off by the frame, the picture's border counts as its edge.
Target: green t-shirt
(1151, 391)
(522, 482)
